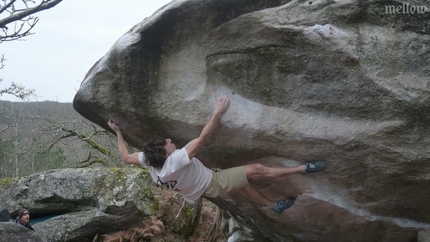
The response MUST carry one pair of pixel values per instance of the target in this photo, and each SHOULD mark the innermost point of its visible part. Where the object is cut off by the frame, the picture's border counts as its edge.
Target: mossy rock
(6, 181)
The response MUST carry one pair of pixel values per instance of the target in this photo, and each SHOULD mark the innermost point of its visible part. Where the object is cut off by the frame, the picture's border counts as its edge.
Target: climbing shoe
(283, 205)
(315, 166)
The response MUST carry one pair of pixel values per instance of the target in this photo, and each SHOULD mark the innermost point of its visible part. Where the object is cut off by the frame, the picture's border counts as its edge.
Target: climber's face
(25, 218)
(169, 146)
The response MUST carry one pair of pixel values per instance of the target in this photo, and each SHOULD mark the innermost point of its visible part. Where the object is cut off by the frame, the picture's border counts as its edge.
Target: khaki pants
(225, 181)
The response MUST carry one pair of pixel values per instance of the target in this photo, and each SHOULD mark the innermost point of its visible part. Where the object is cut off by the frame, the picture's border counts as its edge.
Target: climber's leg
(256, 196)
(261, 171)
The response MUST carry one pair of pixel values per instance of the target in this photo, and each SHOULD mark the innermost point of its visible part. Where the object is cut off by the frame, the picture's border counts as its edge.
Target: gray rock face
(347, 81)
(12, 232)
(424, 236)
(86, 201)
(235, 230)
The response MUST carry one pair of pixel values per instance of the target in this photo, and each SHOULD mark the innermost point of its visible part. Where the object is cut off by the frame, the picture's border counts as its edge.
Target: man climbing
(23, 219)
(181, 171)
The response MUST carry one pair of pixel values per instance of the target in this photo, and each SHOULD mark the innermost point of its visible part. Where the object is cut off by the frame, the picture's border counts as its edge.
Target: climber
(23, 218)
(180, 171)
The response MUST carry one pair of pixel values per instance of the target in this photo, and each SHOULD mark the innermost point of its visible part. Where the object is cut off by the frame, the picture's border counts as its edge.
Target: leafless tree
(14, 89)
(13, 156)
(19, 20)
(64, 128)
(17, 90)
(61, 132)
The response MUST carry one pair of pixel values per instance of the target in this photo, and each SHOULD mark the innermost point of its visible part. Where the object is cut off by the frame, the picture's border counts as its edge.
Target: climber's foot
(281, 206)
(315, 166)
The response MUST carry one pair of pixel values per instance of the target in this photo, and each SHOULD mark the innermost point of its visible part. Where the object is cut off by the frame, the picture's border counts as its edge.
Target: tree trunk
(15, 153)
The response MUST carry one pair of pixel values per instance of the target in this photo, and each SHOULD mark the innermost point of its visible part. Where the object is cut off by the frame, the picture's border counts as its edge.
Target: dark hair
(155, 152)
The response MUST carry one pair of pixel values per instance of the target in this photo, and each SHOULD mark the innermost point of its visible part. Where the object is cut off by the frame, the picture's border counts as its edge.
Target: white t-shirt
(190, 178)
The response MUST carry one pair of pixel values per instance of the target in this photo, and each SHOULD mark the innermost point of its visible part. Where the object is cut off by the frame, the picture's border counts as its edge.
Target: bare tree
(16, 22)
(17, 90)
(16, 151)
(61, 132)
(19, 20)
(13, 146)
(66, 128)
(14, 89)
(49, 135)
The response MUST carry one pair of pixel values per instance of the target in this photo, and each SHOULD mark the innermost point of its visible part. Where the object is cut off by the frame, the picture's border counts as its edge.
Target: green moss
(153, 206)
(153, 203)
(176, 224)
(197, 233)
(119, 172)
(144, 170)
(5, 181)
(117, 179)
(188, 213)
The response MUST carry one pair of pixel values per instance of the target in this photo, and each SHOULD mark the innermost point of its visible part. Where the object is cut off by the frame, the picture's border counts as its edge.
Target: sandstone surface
(345, 81)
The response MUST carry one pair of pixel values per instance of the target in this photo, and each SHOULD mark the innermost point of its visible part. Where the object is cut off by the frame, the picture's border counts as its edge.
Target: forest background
(38, 136)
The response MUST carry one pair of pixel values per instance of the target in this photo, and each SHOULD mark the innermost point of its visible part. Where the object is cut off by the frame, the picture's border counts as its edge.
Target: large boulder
(346, 81)
(80, 203)
(13, 232)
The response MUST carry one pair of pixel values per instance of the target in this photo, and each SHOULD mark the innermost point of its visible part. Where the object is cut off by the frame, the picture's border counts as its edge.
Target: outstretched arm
(193, 146)
(125, 155)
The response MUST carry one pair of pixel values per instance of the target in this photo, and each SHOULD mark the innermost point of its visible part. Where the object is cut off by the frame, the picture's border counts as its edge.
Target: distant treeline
(36, 136)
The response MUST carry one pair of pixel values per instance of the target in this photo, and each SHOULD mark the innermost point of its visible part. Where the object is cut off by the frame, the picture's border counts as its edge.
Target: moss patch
(5, 181)
(144, 170)
(119, 172)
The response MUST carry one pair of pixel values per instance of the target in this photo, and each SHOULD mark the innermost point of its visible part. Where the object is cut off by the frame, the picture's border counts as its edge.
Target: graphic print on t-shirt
(168, 184)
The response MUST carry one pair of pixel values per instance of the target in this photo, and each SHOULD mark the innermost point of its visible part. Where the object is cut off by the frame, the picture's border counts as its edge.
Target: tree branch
(89, 141)
(7, 6)
(17, 90)
(4, 129)
(2, 60)
(46, 4)
(60, 138)
(89, 161)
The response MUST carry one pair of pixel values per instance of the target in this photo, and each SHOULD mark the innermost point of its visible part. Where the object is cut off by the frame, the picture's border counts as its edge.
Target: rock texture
(86, 201)
(424, 236)
(12, 232)
(346, 81)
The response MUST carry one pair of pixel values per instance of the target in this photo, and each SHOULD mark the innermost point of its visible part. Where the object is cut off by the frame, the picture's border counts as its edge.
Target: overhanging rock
(346, 81)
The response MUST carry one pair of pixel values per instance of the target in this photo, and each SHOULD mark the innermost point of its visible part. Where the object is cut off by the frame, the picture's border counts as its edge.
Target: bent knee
(256, 170)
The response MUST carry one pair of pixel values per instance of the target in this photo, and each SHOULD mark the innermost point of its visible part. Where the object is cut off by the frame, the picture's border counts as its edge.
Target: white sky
(68, 39)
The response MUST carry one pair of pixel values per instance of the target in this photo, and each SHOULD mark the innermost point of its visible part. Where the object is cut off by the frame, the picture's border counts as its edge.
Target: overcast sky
(69, 38)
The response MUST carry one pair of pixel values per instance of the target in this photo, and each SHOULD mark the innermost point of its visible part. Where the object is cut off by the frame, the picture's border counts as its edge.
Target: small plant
(150, 228)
